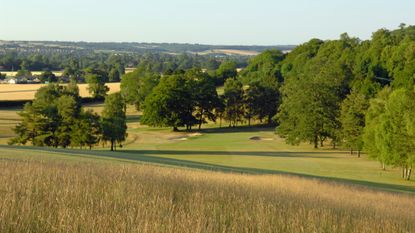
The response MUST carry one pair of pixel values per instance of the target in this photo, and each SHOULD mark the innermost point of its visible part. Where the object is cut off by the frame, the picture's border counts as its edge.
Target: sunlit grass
(52, 192)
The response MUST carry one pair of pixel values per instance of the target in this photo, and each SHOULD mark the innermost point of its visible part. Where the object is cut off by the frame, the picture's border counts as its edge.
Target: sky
(225, 22)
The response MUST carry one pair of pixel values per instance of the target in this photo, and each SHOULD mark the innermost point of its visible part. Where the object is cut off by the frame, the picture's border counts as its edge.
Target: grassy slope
(62, 192)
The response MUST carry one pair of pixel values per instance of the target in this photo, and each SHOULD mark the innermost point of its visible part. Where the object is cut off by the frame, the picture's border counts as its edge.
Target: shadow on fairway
(282, 154)
(239, 129)
(138, 156)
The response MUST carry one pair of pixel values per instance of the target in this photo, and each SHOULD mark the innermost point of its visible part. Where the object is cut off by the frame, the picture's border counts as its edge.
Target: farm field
(10, 92)
(247, 150)
(44, 191)
(230, 52)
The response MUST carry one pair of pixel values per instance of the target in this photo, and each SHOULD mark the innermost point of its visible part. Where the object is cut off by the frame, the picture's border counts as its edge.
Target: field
(9, 92)
(64, 192)
(231, 52)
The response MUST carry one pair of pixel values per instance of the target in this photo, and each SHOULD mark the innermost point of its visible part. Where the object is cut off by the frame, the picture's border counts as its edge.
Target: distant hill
(134, 47)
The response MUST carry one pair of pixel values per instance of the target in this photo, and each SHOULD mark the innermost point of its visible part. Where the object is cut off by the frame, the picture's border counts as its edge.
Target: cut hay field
(43, 191)
(230, 52)
(13, 92)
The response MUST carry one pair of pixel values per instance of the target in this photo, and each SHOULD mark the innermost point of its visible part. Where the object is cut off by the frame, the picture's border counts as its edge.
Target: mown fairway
(12, 92)
(63, 192)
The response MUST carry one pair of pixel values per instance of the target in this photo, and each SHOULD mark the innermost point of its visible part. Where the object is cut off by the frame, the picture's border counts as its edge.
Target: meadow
(68, 192)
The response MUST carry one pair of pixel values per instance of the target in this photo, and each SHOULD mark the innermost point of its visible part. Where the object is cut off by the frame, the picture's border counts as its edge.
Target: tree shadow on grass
(281, 154)
(239, 129)
(135, 156)
(133, 118)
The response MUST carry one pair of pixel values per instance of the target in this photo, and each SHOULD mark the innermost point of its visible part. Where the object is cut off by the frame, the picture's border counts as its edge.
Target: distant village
(28, 77)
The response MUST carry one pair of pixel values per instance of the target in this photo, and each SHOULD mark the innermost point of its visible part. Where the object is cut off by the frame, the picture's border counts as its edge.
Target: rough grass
(27, 91)
(41, 192)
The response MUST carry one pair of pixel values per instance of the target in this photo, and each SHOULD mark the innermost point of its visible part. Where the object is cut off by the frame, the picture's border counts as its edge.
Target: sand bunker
(257, 138)
(194, 134)
(185, 137)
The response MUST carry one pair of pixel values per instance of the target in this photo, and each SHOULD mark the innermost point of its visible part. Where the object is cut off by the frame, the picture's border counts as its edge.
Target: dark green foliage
(114, 121)
(96, 85)
(352, 118)
(182, 99)
(114, 75)
(137, 85)
(316, 81)
(262, 100)
(55, 118)
(86, 130)
(204, 96)
(170, 104)
(48, 77)
(226, 70)
(23, 73)
(264, 66)
(234, 101)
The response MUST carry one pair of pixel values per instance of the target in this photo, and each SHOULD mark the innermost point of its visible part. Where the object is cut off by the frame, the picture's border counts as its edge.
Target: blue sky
(245, 22)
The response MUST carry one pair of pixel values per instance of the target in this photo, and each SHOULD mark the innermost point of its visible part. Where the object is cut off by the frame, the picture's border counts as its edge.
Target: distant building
(17, 80)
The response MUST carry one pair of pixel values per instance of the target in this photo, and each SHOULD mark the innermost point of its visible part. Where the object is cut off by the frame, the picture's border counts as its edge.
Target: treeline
(124, 47)
(56, 118)
(185, 98)
(346, 92)
(76, 62)
(355, 93)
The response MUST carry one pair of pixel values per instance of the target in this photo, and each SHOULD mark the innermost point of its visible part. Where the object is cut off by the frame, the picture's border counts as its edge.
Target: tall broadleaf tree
(114, 120)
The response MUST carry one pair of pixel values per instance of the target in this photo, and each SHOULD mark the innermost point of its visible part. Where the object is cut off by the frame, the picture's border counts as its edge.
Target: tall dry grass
(59, 196)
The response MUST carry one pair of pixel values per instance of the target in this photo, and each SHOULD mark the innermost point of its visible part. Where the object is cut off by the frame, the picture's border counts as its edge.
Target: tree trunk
(315, 141)
(112, 145)
(351, 151)
(383, 166)
(358, 153)
(200, 119)
(175, 129)
(408, 176)
(249, 121)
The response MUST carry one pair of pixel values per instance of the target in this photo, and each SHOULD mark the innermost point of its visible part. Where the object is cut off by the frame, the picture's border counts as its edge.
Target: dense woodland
(346, 92)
